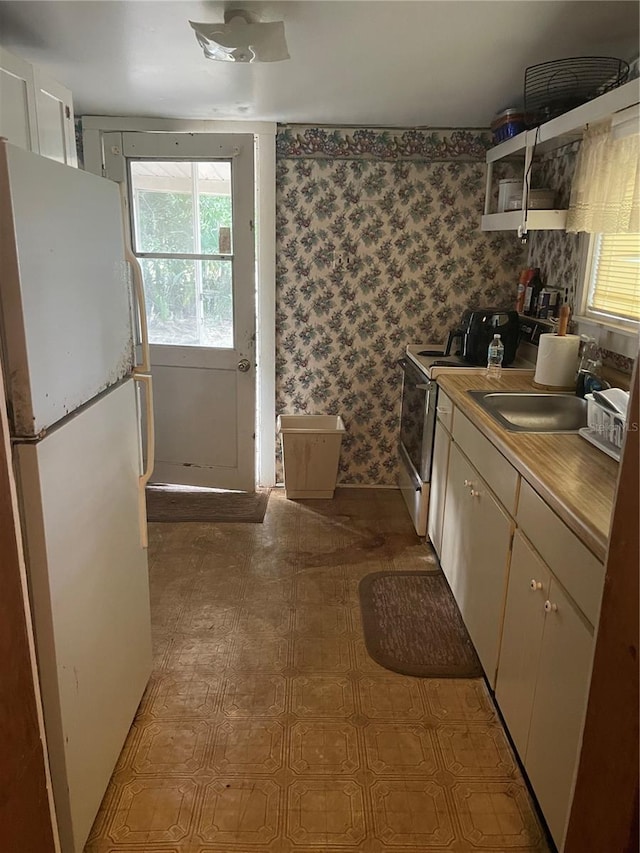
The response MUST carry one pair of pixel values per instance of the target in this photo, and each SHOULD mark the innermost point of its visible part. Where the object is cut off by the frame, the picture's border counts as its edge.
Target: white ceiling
(451, 63)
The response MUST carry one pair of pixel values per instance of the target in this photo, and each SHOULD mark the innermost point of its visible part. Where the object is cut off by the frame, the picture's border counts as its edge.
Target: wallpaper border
(382, 144)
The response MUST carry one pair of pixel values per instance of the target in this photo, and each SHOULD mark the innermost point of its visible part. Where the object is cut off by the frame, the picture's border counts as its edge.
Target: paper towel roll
(557, 362)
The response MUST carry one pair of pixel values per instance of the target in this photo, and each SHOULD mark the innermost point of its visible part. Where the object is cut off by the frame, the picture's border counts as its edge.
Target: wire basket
(607, 425)
(553, 88)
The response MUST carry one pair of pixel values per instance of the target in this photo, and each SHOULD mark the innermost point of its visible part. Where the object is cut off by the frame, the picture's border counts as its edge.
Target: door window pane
(214, 196)
(217, 303)
(185, 208)
(163, 205)
(189, 303)
(171, 301)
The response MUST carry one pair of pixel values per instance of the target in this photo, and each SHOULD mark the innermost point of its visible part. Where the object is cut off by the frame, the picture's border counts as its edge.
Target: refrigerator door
(64, 288)
(88, 582)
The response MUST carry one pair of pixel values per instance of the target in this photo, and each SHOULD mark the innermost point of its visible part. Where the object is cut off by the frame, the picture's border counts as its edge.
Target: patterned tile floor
(266, 728)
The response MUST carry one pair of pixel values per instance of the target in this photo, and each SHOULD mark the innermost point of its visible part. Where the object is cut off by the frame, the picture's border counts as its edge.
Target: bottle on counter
(533, 288)
(523, 281)
(494, 357)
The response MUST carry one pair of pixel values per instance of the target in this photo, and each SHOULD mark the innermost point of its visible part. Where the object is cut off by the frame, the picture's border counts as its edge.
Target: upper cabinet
(553, 134)
(37, 112)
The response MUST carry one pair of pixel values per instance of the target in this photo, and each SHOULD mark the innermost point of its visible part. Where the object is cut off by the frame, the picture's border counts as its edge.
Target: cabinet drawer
(581, 574)
(499, 474)
(444, 410)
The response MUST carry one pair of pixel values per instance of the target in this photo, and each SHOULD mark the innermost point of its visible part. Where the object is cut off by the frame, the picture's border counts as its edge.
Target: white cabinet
(476, 539)
(529, 581)
(553, 134)
(36, 111)
(439, 468)
(543, 680)
(17, 102)
(501, 476)
(559, 708)
(569, 560)
(54, 111)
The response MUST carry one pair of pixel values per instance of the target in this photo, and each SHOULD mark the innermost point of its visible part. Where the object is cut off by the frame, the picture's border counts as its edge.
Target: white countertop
(425, 362)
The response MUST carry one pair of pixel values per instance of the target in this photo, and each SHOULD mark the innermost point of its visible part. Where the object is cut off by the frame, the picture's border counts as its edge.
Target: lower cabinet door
(529, 581)
(559, 708)
(476, 540)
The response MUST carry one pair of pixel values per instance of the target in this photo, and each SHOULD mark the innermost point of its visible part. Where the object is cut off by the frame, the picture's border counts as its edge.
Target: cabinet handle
(467, 483)
(549, 607)
(534, 584)
(474, 493)
(443, 411)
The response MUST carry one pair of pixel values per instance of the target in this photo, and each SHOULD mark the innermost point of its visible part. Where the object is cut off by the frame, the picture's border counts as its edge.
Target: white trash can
(310, 454)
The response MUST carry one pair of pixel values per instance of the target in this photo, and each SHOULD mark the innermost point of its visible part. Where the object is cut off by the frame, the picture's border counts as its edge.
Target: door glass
(183, 238)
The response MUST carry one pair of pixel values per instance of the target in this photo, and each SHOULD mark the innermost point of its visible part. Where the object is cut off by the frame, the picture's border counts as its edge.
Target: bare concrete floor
(266, 728)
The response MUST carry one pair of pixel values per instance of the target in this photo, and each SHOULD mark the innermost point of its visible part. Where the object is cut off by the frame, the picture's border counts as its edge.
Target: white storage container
(542, 199)
(310, 454)
(509, 192)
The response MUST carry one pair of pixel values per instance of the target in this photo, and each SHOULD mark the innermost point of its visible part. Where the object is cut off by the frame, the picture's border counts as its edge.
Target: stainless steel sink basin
(522, 411)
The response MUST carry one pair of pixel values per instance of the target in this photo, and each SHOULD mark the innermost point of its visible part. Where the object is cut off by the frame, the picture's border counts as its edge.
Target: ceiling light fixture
(242, 39)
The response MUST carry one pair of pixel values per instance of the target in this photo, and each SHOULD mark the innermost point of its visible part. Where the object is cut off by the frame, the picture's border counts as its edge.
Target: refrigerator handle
(146, 380)
(138, 285)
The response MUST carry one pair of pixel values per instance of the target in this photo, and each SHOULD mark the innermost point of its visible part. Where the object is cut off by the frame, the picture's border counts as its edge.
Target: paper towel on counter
(557, 362)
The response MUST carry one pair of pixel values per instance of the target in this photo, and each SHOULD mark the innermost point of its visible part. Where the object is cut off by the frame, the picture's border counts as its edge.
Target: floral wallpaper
(378, 246)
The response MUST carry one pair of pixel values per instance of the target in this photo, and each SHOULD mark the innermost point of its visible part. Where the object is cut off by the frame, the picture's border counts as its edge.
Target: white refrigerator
(67, 317)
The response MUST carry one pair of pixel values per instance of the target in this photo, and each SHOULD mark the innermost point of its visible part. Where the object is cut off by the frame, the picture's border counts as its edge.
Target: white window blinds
(615, 276)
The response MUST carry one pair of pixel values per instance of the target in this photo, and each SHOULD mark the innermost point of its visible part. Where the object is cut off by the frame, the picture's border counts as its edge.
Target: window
(183, 239)
(613, 284)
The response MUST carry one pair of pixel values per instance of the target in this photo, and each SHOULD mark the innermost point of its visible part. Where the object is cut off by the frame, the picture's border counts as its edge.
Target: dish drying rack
(605, 428)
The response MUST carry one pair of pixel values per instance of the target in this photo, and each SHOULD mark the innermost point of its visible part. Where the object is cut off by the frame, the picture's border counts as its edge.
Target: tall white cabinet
(36, 112)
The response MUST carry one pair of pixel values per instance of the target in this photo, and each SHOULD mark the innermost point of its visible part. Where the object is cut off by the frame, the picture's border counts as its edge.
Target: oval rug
(412, 625)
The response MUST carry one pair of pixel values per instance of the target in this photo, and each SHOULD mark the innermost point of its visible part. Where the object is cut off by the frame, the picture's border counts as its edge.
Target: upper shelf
(569, 126)
(536, 220)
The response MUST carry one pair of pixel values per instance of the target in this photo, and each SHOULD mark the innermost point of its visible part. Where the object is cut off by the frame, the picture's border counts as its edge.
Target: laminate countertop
(577, 480)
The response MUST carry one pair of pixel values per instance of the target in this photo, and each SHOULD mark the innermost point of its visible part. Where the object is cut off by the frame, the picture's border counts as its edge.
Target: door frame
(95, 157)
(185, 366)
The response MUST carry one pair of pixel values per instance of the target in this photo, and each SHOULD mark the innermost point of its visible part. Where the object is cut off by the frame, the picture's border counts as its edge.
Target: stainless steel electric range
(421, 366)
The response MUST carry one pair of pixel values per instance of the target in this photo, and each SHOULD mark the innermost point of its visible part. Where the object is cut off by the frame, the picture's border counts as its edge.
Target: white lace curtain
(605, 193)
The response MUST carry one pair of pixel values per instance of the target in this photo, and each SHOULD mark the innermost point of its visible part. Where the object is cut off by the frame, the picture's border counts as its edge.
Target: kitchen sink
(523, 411)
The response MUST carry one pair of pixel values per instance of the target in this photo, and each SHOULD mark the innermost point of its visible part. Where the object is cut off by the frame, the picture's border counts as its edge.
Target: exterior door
(192, 222)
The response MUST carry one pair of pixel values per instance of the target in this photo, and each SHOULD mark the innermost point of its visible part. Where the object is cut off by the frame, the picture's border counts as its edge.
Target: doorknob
(244, 365)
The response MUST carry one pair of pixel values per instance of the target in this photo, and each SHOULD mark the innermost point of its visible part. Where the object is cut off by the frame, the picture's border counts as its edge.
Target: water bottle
(495, 356)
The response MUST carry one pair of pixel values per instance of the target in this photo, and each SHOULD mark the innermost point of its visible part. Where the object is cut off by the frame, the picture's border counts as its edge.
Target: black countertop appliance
(476, 330)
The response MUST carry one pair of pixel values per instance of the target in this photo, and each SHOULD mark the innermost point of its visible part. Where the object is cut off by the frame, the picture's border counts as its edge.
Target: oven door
(417, 421)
